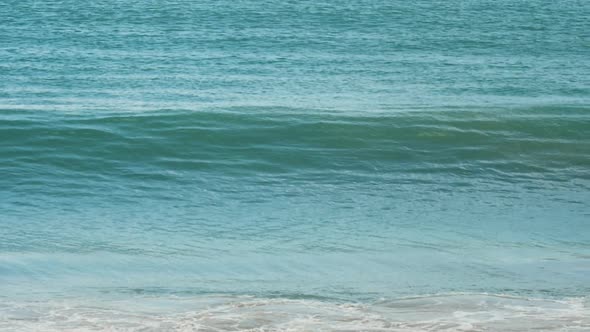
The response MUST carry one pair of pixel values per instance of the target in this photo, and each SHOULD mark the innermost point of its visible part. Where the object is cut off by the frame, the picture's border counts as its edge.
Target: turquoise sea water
(294, 165)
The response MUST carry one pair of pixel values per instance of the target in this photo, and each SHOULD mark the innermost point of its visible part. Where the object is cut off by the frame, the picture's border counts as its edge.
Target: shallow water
(449, 312)
(269, 165)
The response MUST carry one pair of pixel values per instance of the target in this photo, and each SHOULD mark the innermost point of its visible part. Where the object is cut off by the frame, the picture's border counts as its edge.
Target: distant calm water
(294, 165)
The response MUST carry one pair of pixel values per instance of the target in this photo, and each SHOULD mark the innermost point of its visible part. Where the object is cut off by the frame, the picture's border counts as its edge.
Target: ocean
(264, 165)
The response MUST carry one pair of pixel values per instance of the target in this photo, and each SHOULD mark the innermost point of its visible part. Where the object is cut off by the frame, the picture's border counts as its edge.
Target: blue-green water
(296, 165)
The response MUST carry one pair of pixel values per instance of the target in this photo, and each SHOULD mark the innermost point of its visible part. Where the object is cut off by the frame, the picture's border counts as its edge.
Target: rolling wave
(542, 143)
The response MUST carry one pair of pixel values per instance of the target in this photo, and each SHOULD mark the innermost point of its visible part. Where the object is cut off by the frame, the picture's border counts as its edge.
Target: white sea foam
(457, 312)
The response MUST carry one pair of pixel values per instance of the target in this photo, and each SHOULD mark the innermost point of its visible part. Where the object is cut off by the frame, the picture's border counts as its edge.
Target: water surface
(351, 165)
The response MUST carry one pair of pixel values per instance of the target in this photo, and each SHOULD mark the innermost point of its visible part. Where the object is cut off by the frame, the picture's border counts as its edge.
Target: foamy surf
(454, 312)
